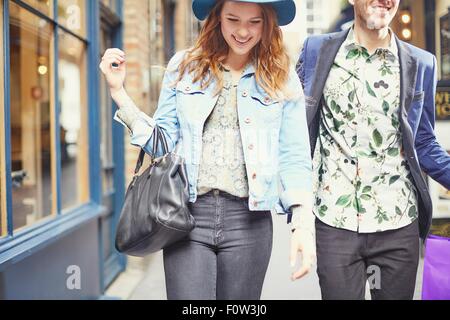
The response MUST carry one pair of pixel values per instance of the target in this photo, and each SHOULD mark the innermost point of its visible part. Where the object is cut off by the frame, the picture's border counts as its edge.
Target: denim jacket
(274, 136)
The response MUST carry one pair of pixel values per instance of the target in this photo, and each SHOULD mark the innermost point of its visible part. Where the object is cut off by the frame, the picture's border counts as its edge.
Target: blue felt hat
(285, 9)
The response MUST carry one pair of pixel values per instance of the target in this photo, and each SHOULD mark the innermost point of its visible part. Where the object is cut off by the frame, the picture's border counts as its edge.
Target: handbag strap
(140, 161)
(162, 140)
(158, 139)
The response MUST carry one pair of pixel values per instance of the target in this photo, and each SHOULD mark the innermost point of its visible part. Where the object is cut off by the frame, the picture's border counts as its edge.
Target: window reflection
(73, 121)
(72, 15)
(32, 154)
(44, 6)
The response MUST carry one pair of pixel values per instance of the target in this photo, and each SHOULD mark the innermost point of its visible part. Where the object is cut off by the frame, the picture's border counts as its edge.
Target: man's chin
(377, 24)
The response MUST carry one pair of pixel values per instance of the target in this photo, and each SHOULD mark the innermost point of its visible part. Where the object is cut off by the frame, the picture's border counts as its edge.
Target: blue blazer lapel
(408, 77)
(324, 62)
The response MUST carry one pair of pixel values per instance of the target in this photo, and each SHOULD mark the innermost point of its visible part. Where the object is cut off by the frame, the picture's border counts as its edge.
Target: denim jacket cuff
(140, 127)
(296, 197)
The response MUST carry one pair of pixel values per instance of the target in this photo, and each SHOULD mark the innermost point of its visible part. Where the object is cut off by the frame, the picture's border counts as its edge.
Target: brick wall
(137, 48)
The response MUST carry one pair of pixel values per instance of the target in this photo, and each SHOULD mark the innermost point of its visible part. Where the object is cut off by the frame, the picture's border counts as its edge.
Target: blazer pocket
(418, 96)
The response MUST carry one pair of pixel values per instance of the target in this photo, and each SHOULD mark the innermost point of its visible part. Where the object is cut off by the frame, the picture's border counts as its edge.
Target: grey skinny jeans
(227, 254)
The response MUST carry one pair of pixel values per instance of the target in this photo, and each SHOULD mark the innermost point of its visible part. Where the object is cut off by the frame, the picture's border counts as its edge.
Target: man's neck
(372, 39)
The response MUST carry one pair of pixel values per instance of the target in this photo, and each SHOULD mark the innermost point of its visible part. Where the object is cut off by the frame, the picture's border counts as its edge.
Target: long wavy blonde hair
(269, 56)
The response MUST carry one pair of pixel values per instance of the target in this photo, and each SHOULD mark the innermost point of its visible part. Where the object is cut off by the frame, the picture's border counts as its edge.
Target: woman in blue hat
(234, 107)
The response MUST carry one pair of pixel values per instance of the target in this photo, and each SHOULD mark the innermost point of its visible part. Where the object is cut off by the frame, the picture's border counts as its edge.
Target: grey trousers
(227, 254)
(347, 259)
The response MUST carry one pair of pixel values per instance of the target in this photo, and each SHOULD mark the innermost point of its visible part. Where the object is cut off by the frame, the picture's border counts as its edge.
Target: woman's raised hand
(113, 66)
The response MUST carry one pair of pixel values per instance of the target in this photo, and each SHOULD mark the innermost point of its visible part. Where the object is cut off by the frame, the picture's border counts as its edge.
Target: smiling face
(241, 26)
(375, 14)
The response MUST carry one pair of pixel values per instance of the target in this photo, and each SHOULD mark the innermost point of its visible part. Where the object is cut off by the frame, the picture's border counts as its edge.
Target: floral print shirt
(362, 179)
(222, 166)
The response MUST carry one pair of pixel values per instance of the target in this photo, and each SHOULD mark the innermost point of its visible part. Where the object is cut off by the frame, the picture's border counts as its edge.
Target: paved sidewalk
(144, 278)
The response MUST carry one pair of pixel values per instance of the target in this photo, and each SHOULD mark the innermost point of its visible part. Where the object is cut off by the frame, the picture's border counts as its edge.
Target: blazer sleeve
(433, 159)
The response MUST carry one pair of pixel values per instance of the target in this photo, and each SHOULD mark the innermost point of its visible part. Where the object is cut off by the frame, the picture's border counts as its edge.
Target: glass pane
(72, 15)
(44, 6)
(2, 138)
(106, 124)
(32, 154)
(73, 120)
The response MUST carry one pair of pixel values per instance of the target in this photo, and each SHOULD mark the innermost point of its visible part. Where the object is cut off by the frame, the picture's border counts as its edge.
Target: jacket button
(250, 147)
(266, 99)
(248, 120)
(244, 94)
(254, 176)
(188, 88)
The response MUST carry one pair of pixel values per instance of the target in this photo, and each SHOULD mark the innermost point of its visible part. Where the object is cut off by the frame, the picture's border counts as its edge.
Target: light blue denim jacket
(274, 135)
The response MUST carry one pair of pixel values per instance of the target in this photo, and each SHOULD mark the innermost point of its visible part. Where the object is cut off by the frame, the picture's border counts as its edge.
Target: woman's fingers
(294, 251)
(113, 55)
(307, 262)
(112, 58)
(108, 62)
(107, 65)
(115, 51)
(304, 270)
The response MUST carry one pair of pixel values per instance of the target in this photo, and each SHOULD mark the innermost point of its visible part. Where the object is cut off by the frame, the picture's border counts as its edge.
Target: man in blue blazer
(370, 102)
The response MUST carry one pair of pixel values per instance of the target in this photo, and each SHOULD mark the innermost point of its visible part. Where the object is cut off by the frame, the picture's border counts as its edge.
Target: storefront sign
(443, 103)
(444, 22)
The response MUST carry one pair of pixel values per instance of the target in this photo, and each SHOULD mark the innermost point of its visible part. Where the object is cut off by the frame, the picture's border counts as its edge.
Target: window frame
(18, 244)
(3, 187)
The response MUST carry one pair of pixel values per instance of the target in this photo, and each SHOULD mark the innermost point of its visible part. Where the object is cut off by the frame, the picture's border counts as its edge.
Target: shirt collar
(391, 51)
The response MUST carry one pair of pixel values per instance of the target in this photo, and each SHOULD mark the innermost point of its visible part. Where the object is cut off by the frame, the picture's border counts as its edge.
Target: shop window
(44, 6)
(32, 151)
(3, 229)
(72, 15)
(73, 121)
(38, 122)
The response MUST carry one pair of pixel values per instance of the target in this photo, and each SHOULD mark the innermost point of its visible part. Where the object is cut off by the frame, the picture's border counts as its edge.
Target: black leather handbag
(155, 213)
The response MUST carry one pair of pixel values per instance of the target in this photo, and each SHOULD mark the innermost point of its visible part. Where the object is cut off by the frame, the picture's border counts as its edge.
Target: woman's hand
(302, 240)
(115, 75)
